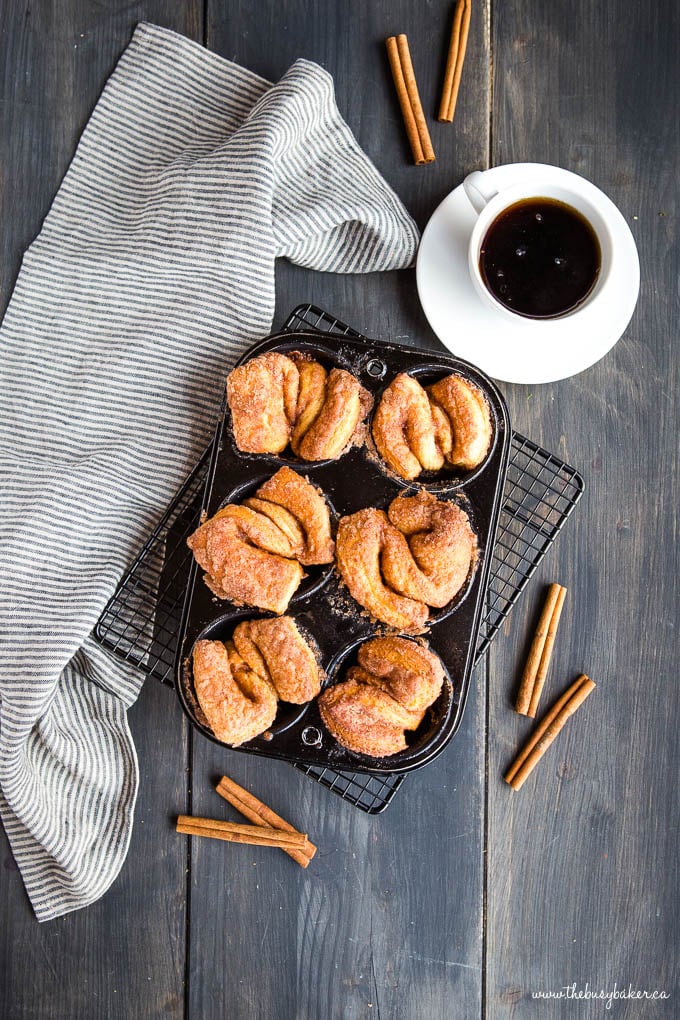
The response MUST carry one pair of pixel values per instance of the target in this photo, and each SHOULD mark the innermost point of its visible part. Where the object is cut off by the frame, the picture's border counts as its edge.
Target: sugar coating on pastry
(382, 697)
(254, 552)
(360, 542)
(262, 395)
(440, 548)
(363, 719)
(345, 404)
(237, 703)
(278, 651)
(306, 503)
(403, 429)
(240, 571)
(419, 429)
(397, 565)
(465, 407)
(407, 670)
(278, 399)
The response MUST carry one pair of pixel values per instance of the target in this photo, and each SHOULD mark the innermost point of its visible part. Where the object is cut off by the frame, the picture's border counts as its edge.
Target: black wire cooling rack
(141, 622)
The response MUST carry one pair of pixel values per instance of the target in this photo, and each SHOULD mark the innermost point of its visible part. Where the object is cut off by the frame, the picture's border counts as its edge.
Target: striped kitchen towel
(153, 271)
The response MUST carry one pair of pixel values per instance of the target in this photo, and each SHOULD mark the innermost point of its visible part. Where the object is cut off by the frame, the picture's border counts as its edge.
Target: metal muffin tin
(322, 606)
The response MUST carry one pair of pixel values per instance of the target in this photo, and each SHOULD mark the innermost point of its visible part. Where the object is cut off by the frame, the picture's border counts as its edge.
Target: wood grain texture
(124, 956)
(357, 933)
(583, 881)
(581, 865)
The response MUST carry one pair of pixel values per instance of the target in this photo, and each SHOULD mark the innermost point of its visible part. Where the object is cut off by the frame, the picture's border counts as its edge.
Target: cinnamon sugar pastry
(238, 682)
(418, 429)
(387, 693)
(397, 564)
(253, 552)
(262, 395)
(237, 703)
(277, 399)
(276, 650)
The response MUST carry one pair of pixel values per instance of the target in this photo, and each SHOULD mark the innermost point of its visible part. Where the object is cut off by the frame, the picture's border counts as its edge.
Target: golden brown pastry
(311, 398)
(364, 719)
(292, 492)
(466, 411)
(386, 694)
(407, 670)
(398, 564)
(403, 429)
(359, 547)
(418, 429)
(252, 553)
(238, 682)
(332, 428)
(277, 399)
(262, 395)
(237, 703)
(239, 570)
(276, 650)
(430, 555)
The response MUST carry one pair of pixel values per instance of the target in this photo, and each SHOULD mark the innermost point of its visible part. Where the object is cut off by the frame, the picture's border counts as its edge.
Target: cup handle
(477, 194)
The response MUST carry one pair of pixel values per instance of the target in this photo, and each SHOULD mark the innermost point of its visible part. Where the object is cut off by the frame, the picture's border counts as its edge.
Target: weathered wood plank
(583, 860)
(582, 863)
(124, 956)
(387, 921)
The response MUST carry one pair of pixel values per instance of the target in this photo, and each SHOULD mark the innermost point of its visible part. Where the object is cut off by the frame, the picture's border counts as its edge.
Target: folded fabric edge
(44, 883)
(150, 32)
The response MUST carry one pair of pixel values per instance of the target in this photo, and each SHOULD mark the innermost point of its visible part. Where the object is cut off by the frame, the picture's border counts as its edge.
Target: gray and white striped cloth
(153, 271)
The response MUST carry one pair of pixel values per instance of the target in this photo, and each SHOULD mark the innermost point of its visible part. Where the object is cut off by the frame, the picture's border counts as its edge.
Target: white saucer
(528, 351)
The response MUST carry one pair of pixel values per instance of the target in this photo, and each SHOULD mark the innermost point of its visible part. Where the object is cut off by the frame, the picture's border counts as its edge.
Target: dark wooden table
(463, 899)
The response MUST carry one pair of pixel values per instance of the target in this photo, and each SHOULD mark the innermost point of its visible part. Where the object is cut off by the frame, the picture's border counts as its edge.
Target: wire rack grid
(141, 621)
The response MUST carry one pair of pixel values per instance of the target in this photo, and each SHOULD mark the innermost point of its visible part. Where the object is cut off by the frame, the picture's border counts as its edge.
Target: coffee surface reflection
(540, 258)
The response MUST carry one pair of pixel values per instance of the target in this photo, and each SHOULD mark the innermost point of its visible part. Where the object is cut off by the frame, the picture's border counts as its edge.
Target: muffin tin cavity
(448, 478)
(221, 629)
(419, 740)
(329, 359)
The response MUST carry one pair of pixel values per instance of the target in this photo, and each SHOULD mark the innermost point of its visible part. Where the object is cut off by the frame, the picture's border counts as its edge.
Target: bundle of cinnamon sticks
(531, 688)
(407, 90)
(267, 828)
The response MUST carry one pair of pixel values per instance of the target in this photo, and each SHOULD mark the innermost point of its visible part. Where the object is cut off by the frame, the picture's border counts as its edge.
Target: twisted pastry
(238, 682)
(387, 693)
(276, 650)
(253, 552)
(398, 564)
(461, 413)
(404, 431)
(262, 395)
(277, 399)
(418, 429)
(237, 703)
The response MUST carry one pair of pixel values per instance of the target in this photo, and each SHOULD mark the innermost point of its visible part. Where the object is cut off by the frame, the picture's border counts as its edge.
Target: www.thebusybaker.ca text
(608, 996)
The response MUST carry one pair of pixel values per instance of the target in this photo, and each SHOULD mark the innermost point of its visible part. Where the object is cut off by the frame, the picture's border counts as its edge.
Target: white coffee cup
(489, 204)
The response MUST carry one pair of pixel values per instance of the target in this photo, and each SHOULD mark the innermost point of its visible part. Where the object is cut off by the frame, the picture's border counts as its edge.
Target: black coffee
(540, 258)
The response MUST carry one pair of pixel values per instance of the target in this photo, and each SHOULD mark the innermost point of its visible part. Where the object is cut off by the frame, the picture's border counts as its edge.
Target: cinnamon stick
(547, 730)
(540, 652)
(409, 99)
(235, 832)
(455, 59)
(256, 811)
(546, 654)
